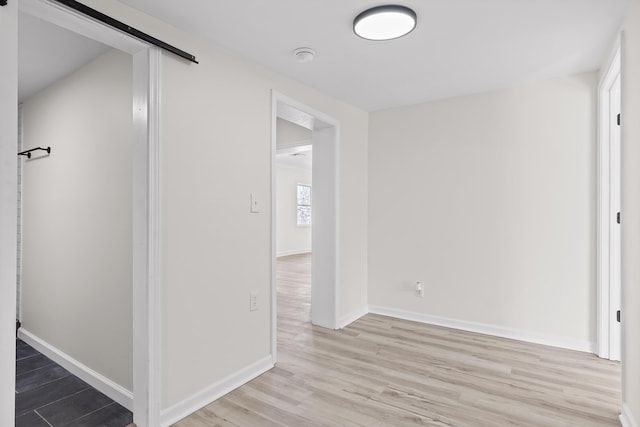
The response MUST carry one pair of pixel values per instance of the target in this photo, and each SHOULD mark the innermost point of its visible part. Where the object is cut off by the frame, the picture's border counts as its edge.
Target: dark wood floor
(48, 395)
(384, 372)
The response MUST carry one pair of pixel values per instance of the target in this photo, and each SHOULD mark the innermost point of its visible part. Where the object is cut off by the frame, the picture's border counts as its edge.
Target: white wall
(630, 213)
(290, 238)
(216, 150)
(490, 201)
(77, 216)
(287, 132)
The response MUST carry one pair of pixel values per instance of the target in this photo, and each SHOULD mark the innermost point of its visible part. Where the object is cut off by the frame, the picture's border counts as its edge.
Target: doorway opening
(322, 140)
(74, 233)
(145, 221)
(609, 218)
(294, 167)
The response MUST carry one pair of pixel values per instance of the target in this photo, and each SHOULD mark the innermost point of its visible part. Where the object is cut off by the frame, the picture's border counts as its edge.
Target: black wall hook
(28, 152)
(3, 2)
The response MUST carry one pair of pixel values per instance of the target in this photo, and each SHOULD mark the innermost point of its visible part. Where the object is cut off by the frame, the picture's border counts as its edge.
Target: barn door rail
(121, 26)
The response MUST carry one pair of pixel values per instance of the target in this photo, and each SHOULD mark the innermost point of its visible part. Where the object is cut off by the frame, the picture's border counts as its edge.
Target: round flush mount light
(304, 54)
(385, 22)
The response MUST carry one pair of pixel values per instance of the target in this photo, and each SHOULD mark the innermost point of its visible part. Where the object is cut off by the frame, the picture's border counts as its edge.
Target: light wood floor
(386, 372)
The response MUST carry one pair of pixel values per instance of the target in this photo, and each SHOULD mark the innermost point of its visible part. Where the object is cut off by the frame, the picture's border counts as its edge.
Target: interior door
(8, 204)
(615, 283)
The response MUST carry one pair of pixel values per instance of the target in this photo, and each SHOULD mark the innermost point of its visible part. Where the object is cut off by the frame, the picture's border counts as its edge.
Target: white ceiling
(46, 53)
(459, 46)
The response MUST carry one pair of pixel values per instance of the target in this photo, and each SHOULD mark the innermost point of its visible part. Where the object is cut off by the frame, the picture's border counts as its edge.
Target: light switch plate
(255, 206)
(253, 301)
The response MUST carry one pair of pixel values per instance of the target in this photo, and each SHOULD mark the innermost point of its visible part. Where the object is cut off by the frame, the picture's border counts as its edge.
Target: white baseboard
(293, 252)
(215, 391)
(94, 379)
(345, 321)
(626, 417)
(482, 328)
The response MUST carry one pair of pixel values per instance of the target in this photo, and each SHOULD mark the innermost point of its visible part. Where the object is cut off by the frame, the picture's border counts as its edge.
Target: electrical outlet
(253, 301)
(419, 290)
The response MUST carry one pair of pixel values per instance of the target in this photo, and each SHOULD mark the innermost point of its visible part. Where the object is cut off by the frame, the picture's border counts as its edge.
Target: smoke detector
(304, 54)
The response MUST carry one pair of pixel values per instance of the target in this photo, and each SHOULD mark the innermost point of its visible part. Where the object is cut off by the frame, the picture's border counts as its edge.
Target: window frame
(299, 205)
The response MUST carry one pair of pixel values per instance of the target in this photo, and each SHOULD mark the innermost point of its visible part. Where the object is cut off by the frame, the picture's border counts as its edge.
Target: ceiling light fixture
(304, 54)
(385, 22)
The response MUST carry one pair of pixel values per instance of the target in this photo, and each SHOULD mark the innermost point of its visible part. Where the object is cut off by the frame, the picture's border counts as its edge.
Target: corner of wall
(626, 417)
(80, 370)
(348, 319)
(215, 391)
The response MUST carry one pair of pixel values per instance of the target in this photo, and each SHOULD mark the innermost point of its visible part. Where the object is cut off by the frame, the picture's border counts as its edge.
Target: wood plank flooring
(381, 371)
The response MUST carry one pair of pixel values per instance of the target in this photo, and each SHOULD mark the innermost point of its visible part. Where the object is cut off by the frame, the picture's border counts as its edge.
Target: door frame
(146, 200)
(8, 206)
(325, 224)
(606, 269)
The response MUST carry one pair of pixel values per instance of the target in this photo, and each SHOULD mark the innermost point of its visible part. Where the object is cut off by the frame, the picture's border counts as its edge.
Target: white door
(609, 205)
(614, 233)
(8, 205)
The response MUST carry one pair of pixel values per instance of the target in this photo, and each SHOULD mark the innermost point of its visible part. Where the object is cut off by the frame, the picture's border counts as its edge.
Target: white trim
(483, 328)
(626, 417)
(80, 370)
(154, 301)
(215, 391)
(273, 254)
(146, 238)
(612, 64)
(345, 321)
(293, 252)
(604, 316)
(337, 257)
(20, 218)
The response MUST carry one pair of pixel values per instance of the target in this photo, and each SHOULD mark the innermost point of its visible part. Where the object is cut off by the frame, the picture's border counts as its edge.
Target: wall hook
(28, 152)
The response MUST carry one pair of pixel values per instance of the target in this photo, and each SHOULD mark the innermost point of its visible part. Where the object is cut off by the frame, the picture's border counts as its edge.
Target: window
(304, 204)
